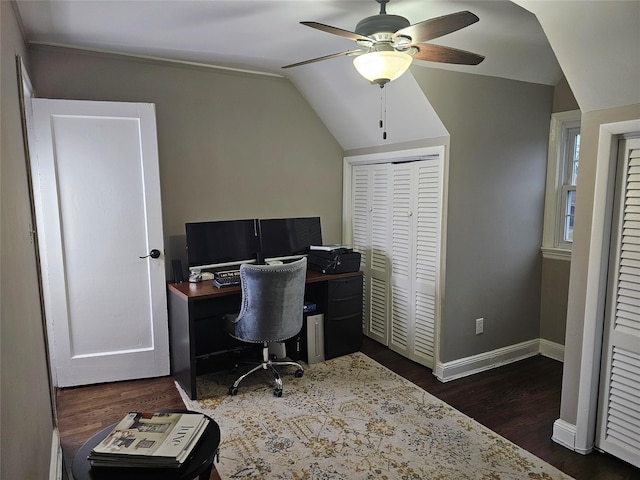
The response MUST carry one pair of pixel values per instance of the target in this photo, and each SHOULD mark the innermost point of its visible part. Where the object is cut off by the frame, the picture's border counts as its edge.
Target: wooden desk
(199, 343)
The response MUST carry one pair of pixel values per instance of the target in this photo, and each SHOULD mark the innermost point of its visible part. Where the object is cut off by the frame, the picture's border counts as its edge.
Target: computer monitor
(289, 237)
(221, 243)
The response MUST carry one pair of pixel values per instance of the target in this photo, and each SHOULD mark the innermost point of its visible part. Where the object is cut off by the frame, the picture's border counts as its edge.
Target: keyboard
(226, 278)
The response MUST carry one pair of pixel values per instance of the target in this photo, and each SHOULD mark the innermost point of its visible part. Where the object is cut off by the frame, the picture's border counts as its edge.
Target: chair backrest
(272, 301)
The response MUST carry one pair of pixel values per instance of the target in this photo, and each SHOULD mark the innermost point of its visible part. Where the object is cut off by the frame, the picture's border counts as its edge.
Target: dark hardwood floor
(519, 401)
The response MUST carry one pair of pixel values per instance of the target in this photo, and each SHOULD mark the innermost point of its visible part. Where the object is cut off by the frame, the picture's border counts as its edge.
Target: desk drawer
(344, 297)
(343, 335)
(344, 306)
(345, 287)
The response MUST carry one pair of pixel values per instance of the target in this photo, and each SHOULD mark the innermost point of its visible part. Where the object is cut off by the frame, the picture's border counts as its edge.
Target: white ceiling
(598, 45)
(597, 42)
(264, 35)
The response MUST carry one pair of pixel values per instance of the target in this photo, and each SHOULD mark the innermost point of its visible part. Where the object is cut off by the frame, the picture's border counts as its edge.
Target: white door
(618, 430)
(97, 195)
(415, 253)
(370, 233)
(428, 229)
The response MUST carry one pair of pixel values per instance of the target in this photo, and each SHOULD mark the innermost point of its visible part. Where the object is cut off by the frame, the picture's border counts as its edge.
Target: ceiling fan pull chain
(381, 124)
(383, 111)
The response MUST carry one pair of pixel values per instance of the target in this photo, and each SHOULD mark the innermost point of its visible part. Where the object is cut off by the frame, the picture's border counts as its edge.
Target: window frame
(556, 192)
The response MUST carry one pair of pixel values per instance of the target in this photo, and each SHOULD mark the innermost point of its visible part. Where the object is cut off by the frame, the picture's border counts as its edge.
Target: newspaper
(150, 440)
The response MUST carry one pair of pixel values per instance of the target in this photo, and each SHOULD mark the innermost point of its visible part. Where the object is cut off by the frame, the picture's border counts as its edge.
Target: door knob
(155, 253)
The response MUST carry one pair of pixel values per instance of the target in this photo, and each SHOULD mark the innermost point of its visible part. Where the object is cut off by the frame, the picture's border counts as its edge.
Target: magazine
(150, 440)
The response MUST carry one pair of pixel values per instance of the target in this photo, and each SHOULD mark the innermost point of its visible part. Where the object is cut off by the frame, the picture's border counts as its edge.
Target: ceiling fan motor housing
(381, 23)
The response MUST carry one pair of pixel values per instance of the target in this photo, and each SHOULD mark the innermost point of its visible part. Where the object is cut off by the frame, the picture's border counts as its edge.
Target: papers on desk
(151, 440)
(329, 248)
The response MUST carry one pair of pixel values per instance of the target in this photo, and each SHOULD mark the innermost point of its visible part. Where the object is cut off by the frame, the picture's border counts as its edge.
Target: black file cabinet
(343, 317)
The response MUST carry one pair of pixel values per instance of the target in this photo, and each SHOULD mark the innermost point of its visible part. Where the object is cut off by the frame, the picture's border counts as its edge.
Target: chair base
(268, 364)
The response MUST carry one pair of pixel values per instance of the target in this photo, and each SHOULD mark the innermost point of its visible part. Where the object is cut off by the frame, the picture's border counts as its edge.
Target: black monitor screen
(284, 237)
(210, 243)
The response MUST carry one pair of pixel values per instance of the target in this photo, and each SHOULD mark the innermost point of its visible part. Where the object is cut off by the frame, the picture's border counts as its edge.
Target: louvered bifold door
(379, 288)
(401, 334)
(426, 234)
(361, 229)
(618, 431)
(415, 219)
(370, 232)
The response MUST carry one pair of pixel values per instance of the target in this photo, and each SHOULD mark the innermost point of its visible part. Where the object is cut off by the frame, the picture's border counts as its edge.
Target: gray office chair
(271, 311)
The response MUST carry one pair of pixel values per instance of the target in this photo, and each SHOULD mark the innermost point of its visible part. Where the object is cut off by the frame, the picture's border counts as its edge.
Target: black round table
(199, 464)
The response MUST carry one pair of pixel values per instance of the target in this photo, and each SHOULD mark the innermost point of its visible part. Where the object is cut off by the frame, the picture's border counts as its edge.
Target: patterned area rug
(352, 418)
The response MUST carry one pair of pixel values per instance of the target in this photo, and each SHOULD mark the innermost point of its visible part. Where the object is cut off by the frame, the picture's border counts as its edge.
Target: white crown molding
(152, 58)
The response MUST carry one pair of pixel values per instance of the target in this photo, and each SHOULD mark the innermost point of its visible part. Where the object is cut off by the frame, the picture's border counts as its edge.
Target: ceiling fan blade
(336, 31)
(326, 57)
(422, 32)
(442, 54)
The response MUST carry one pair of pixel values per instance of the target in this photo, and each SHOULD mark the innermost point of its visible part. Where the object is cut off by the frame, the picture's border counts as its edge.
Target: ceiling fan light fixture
(382, 67)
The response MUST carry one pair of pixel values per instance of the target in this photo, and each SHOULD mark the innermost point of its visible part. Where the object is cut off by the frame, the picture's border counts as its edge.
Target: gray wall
(553, 299)
(555, 273)
(26, 419)
(231, 145)
(497, 162)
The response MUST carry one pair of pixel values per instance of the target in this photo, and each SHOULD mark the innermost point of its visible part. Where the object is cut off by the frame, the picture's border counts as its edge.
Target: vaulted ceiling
(262, 36)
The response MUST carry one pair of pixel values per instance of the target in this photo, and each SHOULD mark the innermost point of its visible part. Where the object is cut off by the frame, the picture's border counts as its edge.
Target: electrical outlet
(479, 325)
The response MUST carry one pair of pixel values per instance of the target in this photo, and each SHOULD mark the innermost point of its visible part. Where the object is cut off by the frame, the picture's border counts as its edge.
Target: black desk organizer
(334, 261)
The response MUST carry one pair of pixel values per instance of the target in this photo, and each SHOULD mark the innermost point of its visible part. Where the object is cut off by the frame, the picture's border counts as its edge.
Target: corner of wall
(552, 350)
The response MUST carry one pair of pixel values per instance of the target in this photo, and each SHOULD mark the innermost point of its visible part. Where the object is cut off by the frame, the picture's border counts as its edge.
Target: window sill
(556, 253)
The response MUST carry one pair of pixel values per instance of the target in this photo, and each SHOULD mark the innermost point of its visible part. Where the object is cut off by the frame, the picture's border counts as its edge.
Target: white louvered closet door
(427, 234)
(370, 231)
(401, 259)
(415, 252)
(361, 230)
(618, 430)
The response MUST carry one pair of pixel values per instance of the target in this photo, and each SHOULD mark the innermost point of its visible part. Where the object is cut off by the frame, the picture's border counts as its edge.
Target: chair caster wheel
(277, 392)
(299, 373)
(233, 390)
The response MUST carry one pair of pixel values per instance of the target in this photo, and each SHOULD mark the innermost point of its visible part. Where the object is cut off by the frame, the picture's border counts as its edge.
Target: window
(562, 175)
(571, 157)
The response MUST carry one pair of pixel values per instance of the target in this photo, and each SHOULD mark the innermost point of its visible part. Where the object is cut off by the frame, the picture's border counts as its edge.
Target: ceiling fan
(388, 43)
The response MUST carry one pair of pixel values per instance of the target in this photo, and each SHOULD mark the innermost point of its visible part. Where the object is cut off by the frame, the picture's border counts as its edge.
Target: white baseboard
(564, 433)
(552, 350)
(56, 463)
(463, 367)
